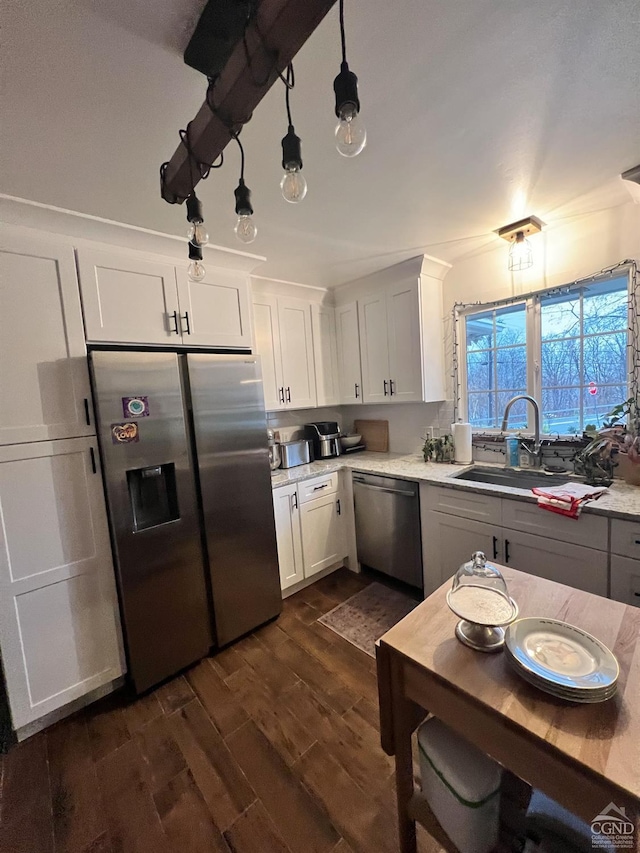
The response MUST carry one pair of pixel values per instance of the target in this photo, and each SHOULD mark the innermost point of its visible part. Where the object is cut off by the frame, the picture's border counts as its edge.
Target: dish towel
(568, 499)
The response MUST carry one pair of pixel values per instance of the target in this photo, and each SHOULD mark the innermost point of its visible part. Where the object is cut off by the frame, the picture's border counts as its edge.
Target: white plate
(581, 696)
(561, 654)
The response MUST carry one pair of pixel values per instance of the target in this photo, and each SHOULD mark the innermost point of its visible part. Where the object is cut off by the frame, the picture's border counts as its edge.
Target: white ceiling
(478, 112)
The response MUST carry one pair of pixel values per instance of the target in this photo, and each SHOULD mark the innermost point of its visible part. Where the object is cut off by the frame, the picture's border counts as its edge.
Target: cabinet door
(44, 378)
(625, 580)
(405, 359)
(267, 345)
(59, 619)
(449, 541)
(374, 348)
(323, 533)
(215, 312)
(296, 347)
(127, 298)
(582, 568)
(287, 515)
(348, 340)
(325, 352)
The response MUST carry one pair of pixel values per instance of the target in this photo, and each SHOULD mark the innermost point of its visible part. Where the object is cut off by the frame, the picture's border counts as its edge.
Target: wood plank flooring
(271, 746)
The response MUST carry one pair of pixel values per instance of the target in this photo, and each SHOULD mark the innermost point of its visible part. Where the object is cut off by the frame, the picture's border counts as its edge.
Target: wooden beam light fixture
(274, 32)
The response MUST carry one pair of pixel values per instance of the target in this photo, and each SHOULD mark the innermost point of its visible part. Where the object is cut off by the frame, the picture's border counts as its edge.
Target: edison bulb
(197, 234)
(351, 134)
(245, 229)
(293, 185)
(196, 271)
(520, 254)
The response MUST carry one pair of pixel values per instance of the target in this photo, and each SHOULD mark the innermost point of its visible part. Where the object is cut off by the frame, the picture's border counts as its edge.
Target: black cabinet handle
(357, 387)
(637, 541)
(495, 547)
(506, 551)
(175, 329)
(338, 507)
(391, 384)
(281, 394)
(87, 416)
(288, 394)
(185, 317)
(92, 455)
(294, 497)
(385, 387)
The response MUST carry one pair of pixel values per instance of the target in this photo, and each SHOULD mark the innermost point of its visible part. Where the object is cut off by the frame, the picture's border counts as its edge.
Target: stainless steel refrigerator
(183, 439)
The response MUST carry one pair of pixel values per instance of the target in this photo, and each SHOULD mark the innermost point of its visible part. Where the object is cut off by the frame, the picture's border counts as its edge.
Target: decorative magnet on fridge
(135, 407)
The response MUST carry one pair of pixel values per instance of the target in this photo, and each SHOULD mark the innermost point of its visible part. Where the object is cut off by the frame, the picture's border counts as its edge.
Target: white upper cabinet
(348, 345)
(374, 348)
(59, 617)
(128, 298)
(215, 311)
(403, 329)
(284, 341)
(296, 344)
(325, 350)
(44, 381)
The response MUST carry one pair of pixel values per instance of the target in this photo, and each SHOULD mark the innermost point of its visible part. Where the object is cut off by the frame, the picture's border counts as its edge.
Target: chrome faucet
(536, 452)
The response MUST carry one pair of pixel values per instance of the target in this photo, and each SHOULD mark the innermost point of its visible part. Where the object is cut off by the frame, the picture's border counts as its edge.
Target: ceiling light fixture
(195, 270)
(351, 134)
(245, 226)
(520, 252)
(197, 233)
(293, 183)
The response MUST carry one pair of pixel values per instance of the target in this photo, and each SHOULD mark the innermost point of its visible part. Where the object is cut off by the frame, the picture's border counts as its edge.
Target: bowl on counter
(350, 440)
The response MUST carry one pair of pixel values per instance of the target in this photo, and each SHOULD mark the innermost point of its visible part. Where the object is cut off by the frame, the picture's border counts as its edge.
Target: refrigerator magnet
(124, 433)
(135, 407)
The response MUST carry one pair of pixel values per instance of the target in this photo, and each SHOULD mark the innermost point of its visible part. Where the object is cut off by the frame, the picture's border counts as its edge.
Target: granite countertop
(621, 501)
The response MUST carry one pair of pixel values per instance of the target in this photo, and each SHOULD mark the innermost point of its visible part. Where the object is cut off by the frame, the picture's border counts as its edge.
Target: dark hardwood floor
(271, 745)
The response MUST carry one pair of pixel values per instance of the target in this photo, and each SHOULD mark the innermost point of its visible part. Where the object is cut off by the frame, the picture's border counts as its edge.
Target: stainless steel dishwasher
(388, 526)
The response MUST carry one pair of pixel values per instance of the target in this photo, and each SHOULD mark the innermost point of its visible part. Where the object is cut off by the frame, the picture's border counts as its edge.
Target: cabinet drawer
(465, 504)
(319, 486)
(625, 580)
(588, 530)
(625, 538)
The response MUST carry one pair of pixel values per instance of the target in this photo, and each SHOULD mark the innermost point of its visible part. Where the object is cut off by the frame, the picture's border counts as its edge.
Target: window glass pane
(518, 412)
(605, 306)
(480, 371)
(481, 410)
(512, 368)
(479, 329)
(561, 410)
(598, 405)
(561, 363)
(605, 358)
(560, 316)
(511, 325)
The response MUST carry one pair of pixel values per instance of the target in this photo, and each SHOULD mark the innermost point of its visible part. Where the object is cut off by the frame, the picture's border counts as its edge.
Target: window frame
(533, 326)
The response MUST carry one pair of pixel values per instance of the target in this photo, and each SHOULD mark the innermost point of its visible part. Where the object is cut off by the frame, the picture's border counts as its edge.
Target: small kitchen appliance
(325, 436)
(274, 450)
(294, 453)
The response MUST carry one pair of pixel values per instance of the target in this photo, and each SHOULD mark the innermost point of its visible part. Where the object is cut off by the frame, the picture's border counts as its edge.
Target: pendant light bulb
(293, 183)
(520, 254)
(198, 234)
(246, 230)
(195, 270)
(351, 134)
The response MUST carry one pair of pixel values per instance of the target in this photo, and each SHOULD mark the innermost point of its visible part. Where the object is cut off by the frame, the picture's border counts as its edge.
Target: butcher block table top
(584, 756)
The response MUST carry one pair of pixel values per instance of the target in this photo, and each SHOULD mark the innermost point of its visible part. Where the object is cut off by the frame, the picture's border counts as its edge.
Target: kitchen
(398, 322)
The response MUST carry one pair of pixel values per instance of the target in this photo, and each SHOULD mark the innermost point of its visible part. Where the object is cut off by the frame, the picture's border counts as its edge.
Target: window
(570, 352)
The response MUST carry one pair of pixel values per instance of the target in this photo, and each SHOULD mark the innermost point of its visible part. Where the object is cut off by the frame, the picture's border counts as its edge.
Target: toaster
(294, 453)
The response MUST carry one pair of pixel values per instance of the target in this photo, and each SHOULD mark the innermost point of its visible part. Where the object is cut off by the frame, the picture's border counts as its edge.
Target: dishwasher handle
(405, 492)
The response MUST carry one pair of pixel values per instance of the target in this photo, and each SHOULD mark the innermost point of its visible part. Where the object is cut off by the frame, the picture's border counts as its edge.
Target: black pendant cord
(289, 81)
(236, 136)
(343, 39)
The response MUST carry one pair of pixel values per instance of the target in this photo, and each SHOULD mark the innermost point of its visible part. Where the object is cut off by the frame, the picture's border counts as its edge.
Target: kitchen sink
(513, 478)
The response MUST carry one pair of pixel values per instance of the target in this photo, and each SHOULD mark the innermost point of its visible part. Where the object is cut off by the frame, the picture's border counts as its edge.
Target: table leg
(406, 715)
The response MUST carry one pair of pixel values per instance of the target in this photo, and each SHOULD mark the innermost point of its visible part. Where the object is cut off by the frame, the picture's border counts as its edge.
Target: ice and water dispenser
(153, 495)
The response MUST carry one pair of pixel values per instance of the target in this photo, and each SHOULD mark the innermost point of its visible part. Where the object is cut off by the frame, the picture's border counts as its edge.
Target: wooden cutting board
(375, 434)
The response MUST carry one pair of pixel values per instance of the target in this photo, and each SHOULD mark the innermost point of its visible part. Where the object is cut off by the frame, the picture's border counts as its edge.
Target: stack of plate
(561, 659)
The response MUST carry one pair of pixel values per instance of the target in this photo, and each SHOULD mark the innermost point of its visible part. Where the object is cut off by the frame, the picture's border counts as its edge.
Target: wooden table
(583, 756)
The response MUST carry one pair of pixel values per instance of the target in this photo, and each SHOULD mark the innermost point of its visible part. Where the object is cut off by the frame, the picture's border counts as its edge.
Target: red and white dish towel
(568, 499)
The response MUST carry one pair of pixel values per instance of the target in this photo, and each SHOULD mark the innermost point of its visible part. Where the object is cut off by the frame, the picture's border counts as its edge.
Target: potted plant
(619, 437)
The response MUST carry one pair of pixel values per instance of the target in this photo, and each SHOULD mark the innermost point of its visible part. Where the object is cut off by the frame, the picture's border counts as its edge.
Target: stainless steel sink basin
(513, 478)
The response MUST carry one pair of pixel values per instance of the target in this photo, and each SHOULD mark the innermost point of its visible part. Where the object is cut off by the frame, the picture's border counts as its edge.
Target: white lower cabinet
(450, 541)
(311, 531)
(625, 580)
(288, 535)
(59, 620)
